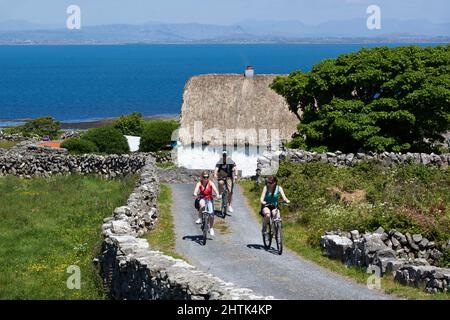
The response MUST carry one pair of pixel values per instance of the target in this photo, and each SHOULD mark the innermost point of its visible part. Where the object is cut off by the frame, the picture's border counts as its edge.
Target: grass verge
(166, 165)
(50, 224)
(221, 225)
(296, 238)
(162, 237)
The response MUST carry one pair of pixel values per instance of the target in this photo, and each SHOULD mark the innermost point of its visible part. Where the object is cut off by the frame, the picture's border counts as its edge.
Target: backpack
(197, 203)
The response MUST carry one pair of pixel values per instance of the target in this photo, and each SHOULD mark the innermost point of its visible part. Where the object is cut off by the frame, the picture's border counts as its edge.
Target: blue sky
(53, 12)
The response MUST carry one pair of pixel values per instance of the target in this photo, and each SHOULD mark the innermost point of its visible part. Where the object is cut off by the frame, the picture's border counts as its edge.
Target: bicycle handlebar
(279, 203)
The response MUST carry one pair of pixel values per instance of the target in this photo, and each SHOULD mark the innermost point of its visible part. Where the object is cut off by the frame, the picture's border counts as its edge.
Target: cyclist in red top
(204, 190)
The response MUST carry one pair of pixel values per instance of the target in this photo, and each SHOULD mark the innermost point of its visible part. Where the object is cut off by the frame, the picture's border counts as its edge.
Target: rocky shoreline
(95, 123)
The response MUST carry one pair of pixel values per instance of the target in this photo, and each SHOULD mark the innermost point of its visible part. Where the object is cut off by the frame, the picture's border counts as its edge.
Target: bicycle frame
(205, 224)
(274, 226)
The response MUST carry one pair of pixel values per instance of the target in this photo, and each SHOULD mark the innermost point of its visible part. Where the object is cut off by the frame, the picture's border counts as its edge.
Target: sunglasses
(205, 177)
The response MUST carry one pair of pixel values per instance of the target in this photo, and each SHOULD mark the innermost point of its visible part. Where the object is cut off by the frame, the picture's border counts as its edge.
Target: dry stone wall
(132, 270)
(266, 162)
(11, 137)
(44, 162)
(410, 258)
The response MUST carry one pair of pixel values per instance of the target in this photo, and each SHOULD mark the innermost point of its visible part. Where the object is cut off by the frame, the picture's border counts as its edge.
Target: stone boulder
(335, 246)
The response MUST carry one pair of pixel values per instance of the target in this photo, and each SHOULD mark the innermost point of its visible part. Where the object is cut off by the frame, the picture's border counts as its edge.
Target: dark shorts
(271, 207)
(228, 180)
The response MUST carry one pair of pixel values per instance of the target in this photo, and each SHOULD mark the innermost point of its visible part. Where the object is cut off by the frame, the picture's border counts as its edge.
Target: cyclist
(270, 199)
(204, 190)
(226, 172)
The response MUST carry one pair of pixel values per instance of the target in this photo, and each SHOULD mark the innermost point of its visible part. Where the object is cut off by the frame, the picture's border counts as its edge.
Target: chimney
(249, 72)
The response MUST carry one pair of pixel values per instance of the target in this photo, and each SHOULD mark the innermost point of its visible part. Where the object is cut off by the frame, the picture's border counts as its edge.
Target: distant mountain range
(23, 32)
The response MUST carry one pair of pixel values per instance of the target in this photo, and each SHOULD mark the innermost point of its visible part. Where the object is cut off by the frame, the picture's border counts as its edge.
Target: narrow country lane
(238, 256)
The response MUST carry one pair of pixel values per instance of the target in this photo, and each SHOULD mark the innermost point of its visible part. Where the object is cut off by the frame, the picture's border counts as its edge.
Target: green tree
(379, 99)
(79, 146)
(157, 135)
(108, 140)
(43, 126)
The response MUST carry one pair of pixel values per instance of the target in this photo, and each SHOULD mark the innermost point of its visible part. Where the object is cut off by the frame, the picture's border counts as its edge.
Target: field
(50, 224)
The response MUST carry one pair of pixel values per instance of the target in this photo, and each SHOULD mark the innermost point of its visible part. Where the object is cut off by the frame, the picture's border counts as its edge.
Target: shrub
(130, 124)
(108, 140)
(12, 130)
(157, 135)
(444, 262)
(44, 126)
(79, 146)
(409, 198)
(379, 99)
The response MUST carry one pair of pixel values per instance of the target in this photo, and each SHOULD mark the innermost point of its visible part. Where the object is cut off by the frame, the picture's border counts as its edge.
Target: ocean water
(73, 83)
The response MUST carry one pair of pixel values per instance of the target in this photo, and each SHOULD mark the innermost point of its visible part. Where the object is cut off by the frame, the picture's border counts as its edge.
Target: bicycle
(205, 225)
(224, 207)
(275, 227)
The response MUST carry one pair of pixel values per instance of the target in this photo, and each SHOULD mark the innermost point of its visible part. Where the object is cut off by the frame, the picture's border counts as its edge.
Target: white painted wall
(206, 157)
(133, 143)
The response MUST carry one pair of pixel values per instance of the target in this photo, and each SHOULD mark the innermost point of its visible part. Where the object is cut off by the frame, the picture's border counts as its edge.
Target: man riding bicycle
(226, 172)
(270, 200)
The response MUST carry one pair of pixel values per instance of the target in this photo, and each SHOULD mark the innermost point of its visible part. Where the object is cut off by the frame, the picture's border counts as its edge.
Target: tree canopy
(130, 124)
(378, 99)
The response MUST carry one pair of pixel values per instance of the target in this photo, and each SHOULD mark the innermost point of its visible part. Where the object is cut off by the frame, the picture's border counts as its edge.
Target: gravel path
(239, 256)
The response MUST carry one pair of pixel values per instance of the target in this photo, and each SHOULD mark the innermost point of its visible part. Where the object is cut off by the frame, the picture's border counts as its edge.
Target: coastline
(301, 41)
(90, 123)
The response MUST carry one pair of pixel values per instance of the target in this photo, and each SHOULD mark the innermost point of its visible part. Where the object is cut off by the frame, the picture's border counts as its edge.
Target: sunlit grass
(162, 237)
(50, 224)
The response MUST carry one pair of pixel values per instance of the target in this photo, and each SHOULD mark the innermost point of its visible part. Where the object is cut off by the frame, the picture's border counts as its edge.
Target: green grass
(296, 236)
(166, 165)
(50, 224)
(4, 144)
(162, 237)
(221, 225)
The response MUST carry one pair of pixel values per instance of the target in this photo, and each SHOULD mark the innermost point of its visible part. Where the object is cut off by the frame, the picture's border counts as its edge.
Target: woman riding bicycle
(270, 199)
(206, 188)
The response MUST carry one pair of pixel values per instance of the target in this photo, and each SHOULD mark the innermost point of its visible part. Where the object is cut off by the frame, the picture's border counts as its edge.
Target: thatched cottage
(234, 101)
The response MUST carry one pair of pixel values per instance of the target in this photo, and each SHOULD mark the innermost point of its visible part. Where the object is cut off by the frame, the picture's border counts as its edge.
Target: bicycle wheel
(267, 236)
(224, 202)
(205, 228)
(279, 236)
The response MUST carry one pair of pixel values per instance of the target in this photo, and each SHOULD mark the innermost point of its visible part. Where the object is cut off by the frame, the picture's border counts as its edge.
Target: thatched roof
(232, 101)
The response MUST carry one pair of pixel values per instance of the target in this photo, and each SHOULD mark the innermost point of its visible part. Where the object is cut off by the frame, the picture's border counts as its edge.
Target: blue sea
(81, 83)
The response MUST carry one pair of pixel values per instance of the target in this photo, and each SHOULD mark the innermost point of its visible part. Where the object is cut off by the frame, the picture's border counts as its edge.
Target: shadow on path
(197, 239)
(261, 247)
